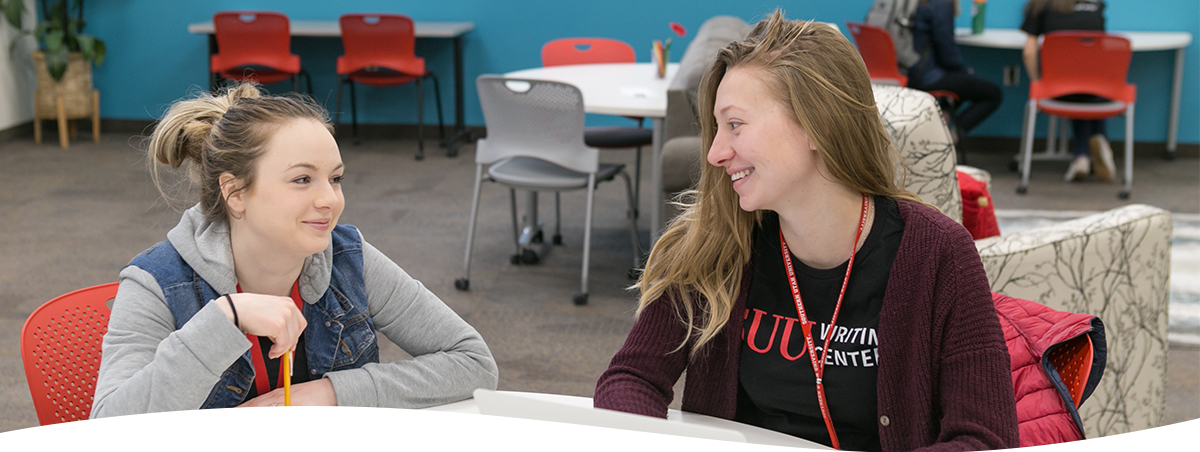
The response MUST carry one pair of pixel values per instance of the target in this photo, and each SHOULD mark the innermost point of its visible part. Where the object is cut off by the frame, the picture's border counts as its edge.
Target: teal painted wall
(152, 60)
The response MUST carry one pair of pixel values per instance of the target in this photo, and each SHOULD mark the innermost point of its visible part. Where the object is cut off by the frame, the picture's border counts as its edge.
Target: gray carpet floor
(73, 218)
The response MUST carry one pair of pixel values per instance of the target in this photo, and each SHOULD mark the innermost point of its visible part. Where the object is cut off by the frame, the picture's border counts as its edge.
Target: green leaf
(101, 51)
(13, 11)
(54, 41)
(87, 45)
(56, 62)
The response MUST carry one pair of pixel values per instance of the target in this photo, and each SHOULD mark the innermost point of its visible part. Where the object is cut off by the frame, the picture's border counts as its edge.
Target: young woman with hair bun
(803, 289)
(259, 267)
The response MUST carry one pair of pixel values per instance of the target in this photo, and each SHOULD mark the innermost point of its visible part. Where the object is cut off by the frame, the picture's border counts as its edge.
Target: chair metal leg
(1052, 133)
(296, 82)
(1027, 144)
(464, 283)
(557, 240)
(637, 183)
(633, 234)
(353, 112)
(581, 297)
(512, 198)
(437, 94)
(420, 120)
(1124, 193)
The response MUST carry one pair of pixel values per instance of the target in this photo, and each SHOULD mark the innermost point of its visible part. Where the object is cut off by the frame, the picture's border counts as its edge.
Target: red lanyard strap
(806, 326)
(261, 383)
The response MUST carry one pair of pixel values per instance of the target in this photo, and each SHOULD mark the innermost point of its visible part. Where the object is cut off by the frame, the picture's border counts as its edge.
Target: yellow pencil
(287, 378)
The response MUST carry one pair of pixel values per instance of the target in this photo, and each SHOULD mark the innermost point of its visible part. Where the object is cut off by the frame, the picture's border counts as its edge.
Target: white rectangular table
(1141, 41)
(330, 29)
(624, 89)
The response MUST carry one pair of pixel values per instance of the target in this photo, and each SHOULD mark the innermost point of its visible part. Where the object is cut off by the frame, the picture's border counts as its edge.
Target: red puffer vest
(1051, 371)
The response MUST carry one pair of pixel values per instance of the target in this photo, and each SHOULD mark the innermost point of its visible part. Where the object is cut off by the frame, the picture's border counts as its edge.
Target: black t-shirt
(300, 371)
(1085, 15)
(776, 385)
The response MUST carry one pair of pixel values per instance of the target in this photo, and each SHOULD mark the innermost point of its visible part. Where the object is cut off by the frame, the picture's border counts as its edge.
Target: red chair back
(379, 41)
(60, 347)
(1084, 62)
(877, 51)
(564, 51)
(253, 38)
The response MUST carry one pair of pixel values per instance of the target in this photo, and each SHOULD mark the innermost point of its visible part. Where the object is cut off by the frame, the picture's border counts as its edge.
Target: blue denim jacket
(340, 333)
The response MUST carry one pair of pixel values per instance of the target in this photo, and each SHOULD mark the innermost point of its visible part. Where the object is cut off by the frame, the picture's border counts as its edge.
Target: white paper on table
(638, 92)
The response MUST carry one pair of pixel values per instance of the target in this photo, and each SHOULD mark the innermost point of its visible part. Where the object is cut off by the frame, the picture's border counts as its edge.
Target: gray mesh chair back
(533, 118)
(535, 142)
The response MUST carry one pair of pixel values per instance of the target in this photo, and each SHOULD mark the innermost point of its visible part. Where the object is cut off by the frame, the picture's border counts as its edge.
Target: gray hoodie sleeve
(450, 359)
(147, 365)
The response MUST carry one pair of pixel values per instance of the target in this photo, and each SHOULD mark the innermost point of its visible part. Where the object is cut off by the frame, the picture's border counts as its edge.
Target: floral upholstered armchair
(1114, 265)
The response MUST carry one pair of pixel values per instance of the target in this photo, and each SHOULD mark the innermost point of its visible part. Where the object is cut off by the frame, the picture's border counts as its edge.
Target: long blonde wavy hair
(812, 69)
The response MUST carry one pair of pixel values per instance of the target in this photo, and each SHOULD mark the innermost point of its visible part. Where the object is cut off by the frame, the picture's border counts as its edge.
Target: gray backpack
(896, 16)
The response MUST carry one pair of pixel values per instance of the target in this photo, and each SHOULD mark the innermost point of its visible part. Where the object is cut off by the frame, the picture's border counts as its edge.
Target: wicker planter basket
(71, 98)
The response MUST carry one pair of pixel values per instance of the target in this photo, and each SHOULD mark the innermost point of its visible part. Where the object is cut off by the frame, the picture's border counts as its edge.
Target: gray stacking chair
(535, 142)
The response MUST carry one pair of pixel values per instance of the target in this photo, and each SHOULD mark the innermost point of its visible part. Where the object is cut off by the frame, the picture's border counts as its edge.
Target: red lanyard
(256, 355)
(806, 326)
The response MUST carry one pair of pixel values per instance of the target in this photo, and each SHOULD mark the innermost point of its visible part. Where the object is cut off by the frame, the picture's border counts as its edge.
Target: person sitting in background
(941, 66)
(1089, 135)
(260, 267)
(802, 289)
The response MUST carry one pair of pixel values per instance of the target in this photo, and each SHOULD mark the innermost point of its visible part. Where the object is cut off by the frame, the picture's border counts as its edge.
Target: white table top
(754, 435)
(342, 428)
(331, 29)
(1009, 38)
(624, 89)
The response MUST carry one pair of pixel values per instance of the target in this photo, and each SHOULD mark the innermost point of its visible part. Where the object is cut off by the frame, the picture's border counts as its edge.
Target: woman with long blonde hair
(804, 290)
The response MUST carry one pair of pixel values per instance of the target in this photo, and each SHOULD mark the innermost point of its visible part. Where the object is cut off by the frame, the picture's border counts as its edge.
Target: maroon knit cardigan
(944, 381)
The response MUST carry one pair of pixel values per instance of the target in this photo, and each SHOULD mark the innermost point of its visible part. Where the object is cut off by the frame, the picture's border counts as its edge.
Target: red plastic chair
(255, 45)
(60, 347)
(380, 51)
(1081, 62)
(879, 54)
(564, 51)
(567, 51)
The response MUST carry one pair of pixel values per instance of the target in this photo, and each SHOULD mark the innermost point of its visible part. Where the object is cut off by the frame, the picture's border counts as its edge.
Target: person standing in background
(1090, 136)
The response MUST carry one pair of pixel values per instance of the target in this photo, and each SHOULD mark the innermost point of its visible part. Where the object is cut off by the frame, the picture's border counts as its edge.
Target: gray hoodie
(149, 366)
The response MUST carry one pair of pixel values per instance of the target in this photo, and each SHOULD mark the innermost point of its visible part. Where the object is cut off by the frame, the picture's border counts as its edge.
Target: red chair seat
(259, 75)
(1080, 110)
(381, 78)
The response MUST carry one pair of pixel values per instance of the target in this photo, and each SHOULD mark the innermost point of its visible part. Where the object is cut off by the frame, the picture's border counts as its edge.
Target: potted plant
(63, 63)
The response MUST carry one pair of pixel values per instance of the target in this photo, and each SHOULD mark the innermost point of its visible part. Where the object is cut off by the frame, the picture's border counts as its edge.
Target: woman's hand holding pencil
(311, 393)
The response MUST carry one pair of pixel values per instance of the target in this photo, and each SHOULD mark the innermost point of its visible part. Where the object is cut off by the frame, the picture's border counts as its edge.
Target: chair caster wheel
(515, 259)
(557, 239)
(529, 257)
(580, 299)
(1013, 166)
(537, 237)
(452, 152)
(1022, 190)
(1124, 194)
(462, 284)
(634, 273)
(420, 157)
(1169, 156)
